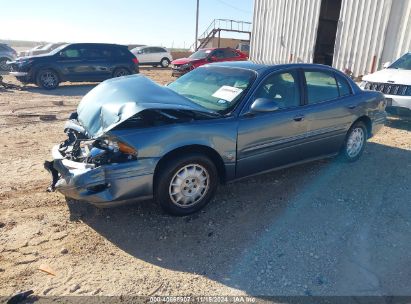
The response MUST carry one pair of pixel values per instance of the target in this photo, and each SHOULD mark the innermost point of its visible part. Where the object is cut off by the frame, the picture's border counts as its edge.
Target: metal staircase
(219, 25)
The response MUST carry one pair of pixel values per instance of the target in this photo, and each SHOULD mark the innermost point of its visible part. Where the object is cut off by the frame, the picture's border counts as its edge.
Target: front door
(73, 64)
(270, 140)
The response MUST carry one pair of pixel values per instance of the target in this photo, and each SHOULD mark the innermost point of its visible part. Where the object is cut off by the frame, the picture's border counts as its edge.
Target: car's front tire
(165, 63)
(47, 79)
(355, 142)
(186, 184)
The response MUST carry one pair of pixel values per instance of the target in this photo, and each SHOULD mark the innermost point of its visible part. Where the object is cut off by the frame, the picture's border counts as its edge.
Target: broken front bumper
(104, 186)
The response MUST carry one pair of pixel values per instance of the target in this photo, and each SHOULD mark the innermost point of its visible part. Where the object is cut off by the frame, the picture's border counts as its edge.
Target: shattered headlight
(117, 146)
(186, 66)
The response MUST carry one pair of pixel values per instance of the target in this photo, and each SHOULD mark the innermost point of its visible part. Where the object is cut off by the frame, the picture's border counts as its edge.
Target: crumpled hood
(116, 100)
(390, 76)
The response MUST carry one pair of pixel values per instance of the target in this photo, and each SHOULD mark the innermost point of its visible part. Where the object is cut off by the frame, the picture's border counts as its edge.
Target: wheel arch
(37, 70)
(368, 123)
(214, 156)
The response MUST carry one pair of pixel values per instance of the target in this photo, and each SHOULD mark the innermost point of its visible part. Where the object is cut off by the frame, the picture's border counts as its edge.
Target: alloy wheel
(189, 185)
(355, 142)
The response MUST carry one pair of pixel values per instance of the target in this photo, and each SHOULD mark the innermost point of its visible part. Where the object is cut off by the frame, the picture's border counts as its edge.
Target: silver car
(6, 54)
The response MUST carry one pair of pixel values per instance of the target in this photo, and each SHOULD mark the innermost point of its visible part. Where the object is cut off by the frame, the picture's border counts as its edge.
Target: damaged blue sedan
(132, 139)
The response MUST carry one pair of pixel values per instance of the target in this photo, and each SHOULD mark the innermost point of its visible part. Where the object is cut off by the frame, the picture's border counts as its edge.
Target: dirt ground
(324, 228)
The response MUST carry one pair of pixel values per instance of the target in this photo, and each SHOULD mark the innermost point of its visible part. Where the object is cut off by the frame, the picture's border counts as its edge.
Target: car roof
(255, 66)
(96, 44)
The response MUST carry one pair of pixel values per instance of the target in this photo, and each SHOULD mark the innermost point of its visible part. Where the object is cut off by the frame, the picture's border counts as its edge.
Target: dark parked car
(6, 54)
(132, 139)
(75, 62)
(204, 56)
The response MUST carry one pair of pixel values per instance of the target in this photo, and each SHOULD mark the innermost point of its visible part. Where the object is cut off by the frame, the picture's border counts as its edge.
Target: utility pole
(198, 7)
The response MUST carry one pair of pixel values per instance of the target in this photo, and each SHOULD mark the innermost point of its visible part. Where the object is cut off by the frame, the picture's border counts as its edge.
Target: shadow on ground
(64, 90)
(402, 123)
(325, 228)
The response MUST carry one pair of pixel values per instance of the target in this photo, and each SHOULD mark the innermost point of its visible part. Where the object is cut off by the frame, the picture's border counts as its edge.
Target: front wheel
(47, 79)
(186, 184)
(355, 142)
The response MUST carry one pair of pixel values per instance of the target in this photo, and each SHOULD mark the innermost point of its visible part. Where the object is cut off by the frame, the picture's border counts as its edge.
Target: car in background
(204, 56)
(75, 62)
(6, 54)
(45, 49)
(27, 52)
(395, 82)
(153, 55)
(244, 47)
(132, 139)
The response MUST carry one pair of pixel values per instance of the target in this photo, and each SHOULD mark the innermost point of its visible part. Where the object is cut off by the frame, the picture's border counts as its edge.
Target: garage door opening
(327, 31)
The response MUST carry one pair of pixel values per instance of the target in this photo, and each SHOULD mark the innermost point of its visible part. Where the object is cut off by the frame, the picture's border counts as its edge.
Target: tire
(3, 65)
(119, 72)
(47, 79)
(355, 142)
(177, 197)
(164, 63)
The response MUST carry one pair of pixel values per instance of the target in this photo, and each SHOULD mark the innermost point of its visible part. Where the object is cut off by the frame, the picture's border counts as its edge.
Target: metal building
(358, 35)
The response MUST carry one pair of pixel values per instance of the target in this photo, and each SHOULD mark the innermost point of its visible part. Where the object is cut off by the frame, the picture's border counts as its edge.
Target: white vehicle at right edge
(395, 82)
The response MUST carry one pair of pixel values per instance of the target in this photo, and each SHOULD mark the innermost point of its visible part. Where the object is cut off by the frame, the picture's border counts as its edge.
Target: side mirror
(62, 54)
(264, 105)
(140, 52)
(386, 65)
(212, 58)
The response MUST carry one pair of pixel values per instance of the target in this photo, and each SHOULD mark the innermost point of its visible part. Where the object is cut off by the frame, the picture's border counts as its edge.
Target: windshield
(404, 63)
(214, 88)
(201, 54)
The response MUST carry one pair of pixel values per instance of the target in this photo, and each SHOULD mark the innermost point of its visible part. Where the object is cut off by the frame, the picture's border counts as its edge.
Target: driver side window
(282, 88)
(71, 53)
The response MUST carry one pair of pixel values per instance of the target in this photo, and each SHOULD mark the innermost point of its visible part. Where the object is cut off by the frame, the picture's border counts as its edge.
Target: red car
(204, 56)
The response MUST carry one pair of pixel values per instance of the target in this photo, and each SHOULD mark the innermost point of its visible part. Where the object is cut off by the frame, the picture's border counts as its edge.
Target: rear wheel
(186, 184)
(47, 79)
(164, 63)
(120, 72)
(355, 142)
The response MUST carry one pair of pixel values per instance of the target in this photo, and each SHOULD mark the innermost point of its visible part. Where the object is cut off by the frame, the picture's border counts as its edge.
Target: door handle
(352, 107)
(299, 118)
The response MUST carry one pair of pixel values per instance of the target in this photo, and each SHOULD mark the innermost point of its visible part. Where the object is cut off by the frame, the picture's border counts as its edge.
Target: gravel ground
(324, 228)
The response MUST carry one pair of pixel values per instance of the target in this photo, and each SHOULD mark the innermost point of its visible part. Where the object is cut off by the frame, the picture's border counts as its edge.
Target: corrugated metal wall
(369, 33)
(284, 30)
(361, 34)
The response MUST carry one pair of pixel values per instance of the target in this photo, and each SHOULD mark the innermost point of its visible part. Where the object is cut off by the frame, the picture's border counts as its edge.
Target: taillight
(135, 60)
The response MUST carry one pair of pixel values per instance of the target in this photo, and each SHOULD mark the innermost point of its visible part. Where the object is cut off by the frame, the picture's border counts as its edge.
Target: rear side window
(120, 52)
(229, 53)
(343, 86)
(321, 86)
(159, 50)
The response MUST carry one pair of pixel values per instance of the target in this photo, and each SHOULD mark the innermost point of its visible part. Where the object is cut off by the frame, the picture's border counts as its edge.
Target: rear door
(329, 111)
(98, 61)
(270, 140)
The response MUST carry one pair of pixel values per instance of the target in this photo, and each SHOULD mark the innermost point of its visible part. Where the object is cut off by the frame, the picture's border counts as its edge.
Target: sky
(169, 23)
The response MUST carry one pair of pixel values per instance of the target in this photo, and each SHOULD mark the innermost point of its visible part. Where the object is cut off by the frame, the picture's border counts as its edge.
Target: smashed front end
(102, 171)
(97, 164)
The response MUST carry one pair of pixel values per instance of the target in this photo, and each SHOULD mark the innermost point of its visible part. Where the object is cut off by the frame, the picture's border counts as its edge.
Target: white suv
(152, 55)
(395, 82)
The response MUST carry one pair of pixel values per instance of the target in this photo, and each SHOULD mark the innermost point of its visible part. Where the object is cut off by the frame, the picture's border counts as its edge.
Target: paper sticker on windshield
(227, 93)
